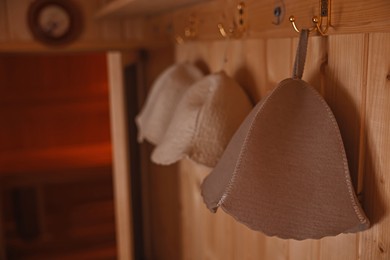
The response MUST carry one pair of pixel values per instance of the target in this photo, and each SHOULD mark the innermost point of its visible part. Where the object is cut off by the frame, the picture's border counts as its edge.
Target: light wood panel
(139, 7)
(351, 71)
(348, 16)
(343, 79)
(96, 34)
(376, 188)
(122, 31)
(218, 236)
(121, 167)
(3, 21)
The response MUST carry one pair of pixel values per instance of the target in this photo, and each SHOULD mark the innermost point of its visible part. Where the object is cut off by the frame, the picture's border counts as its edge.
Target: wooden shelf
(141, 7)
(61, 158)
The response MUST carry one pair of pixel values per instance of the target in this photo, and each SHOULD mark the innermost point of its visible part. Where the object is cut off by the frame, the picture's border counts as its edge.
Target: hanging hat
(285, 171)
(205, 119)
(162, 100)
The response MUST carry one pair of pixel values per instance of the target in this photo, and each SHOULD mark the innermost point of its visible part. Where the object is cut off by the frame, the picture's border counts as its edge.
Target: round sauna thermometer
(54, 22)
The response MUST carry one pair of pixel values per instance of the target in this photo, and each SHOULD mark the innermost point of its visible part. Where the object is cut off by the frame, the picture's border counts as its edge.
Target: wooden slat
(343, 92)
(16, 11)
(375, 242)
(123, 208)
(344, 89)
(139, 7)
(52, 101)
(96, 35)
(304, 250)
(3, 21)
(348, 16)
(72, 157)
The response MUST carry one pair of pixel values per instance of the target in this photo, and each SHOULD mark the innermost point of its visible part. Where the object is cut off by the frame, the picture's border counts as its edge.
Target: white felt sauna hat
(285, 171)
(205, 120)
(162, 100)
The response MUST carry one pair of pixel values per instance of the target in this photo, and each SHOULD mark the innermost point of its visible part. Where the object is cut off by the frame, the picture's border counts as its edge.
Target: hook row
(190, 31)
(239, 27)
(325, 7)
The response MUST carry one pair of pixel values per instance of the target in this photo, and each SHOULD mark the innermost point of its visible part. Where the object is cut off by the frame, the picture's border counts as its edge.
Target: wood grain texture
(139, 7)
(218, 236)
(123, 31)
(3, 21)
(55, 143)
(348, 16)
(343, 86)
(375, 242)
(351, 72)
(47, 99)
(110, 34)
(121, 177)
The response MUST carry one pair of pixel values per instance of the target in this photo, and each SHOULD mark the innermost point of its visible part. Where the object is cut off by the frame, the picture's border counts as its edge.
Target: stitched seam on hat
(191, 153)
(347, 177)
(243, 151)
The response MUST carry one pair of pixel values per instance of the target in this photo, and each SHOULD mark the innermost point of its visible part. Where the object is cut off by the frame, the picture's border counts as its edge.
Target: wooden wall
(53, 100)
(352, 72)
(350, 68)
(97, 34)
(56, 187)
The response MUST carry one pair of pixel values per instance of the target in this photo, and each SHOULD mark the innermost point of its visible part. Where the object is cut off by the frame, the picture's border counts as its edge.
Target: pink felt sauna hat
(285, 171)
(205, 120)
(162, 100)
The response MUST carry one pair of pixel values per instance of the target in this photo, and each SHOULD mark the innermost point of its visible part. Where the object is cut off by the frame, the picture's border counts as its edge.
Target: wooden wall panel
(47, 99)
(55, 157)
(351, 72)
(376, 187)
(348, 16)
(121, 154)
(218, 236)
(3, 21)
(15, 35)
(343, 86)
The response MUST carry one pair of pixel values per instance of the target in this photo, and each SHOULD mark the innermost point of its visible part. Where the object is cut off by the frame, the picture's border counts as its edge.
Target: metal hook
(190, 31)
(238, 29)
(325, 6)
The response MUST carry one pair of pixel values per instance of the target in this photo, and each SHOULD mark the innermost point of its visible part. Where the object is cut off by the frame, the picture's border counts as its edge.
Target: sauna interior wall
(352, 72)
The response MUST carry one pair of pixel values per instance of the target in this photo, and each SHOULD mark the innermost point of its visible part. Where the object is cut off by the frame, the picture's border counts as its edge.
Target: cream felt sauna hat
(162, 100)
(285, 171)
(205, 119)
